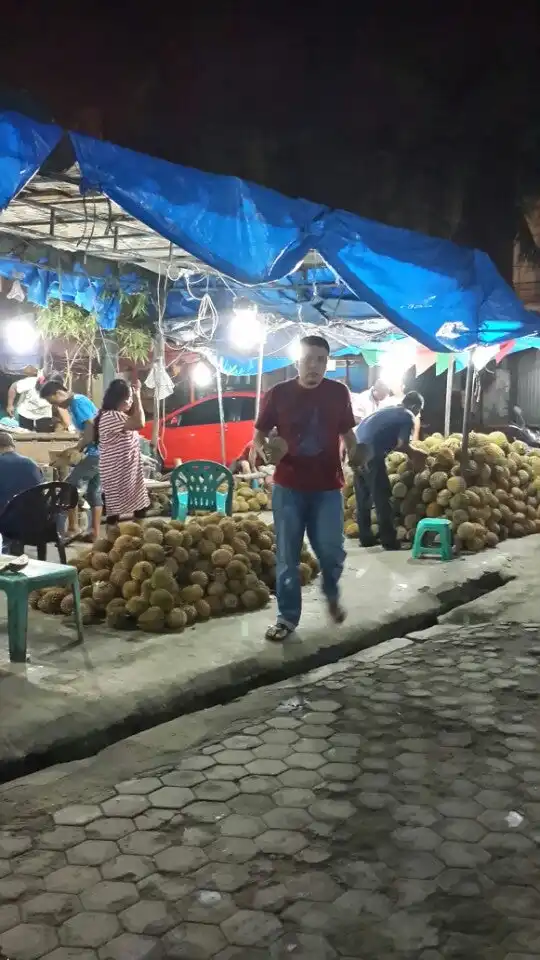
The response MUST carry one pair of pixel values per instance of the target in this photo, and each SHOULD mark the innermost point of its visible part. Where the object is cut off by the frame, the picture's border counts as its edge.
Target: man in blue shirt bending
(388, 429)
(86, 473)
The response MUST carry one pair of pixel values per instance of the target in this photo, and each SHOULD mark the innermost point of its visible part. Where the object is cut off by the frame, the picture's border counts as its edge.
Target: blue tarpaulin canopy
(306, 303)
(443, 295)
(24, 145)
(98, 295)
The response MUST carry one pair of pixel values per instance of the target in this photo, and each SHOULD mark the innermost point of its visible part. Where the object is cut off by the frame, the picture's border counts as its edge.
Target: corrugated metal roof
(50, 210)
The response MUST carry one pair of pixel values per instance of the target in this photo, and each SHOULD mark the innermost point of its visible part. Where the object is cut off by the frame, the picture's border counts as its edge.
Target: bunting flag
(442, 363)
(424, 359)
(372, 357)
(504, 350)
(462, 360)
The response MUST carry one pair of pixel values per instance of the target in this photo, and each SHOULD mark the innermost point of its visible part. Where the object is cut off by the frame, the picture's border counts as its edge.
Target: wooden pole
(448, 402)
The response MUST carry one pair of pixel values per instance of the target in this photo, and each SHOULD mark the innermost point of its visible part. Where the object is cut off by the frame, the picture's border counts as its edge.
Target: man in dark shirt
(17, 473)
(310, 415)
(386, 430)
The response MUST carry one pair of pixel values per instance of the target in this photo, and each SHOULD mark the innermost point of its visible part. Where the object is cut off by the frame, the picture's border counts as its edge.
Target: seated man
(388, 429)
(17, 473)
(249, 462)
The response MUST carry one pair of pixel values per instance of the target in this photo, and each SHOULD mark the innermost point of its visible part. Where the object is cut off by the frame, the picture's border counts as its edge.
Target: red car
(193, 432)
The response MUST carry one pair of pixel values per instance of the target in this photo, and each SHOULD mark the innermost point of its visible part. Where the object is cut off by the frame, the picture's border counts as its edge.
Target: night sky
(408, 113)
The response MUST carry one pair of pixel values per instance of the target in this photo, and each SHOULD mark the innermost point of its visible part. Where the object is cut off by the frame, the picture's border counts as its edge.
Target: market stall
(203, 235)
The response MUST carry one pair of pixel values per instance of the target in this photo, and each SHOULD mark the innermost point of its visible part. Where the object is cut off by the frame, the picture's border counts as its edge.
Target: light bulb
(245, 329)
(21, 335)
(201, 374)
(294, 350)
(396, 360)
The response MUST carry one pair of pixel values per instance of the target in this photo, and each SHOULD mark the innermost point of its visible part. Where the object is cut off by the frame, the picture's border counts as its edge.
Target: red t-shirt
(311, 422)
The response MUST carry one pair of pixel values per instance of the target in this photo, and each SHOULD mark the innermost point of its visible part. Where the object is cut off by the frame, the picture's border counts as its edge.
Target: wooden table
(38, 446)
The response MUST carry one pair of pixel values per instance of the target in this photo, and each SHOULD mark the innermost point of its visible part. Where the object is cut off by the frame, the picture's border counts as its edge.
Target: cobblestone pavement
(391, 810)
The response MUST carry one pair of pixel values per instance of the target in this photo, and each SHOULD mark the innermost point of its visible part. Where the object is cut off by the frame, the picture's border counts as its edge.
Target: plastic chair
(443, 529)
(31, 518)
(195, 487)
(17, 586)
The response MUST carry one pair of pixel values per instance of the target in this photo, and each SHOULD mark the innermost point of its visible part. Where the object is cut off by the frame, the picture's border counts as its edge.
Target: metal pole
(158, 354)
(467, 410)
(259, 377)
(448, 402)
(221, 416)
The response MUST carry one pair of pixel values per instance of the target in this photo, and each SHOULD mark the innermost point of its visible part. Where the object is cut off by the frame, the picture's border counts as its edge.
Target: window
(237, 409)
(202, 413)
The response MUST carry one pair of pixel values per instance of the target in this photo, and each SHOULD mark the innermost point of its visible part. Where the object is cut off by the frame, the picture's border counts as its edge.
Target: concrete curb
(49, 736)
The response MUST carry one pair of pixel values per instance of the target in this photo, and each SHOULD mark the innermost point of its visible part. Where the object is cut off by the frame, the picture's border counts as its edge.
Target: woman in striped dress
(116, 426)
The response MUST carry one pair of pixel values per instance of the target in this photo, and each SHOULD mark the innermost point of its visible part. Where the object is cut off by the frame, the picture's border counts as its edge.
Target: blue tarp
(346, 338)
(314, 295)
(24, 145)
(98, 295)
(443, 295)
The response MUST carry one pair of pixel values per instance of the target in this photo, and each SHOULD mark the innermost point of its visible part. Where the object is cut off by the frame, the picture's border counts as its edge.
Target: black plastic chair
(31, 518)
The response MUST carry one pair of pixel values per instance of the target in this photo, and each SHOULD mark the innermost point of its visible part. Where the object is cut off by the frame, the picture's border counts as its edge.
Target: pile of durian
(247, 499)
(162, 575)
(493, 495)
(160, 504)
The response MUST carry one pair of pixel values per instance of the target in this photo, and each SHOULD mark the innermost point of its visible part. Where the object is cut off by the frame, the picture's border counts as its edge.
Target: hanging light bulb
(294, 350)
(21, 335)
(246, 330)
(201, 374)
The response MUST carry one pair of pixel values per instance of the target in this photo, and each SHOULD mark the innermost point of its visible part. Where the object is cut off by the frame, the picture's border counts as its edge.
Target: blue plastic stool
(443, 529)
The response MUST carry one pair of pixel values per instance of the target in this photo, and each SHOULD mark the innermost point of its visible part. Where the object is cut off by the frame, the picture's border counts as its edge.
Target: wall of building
(525, 384)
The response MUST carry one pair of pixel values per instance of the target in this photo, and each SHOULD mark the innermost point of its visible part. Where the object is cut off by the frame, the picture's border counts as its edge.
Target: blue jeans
(320, 515)
(86, 474)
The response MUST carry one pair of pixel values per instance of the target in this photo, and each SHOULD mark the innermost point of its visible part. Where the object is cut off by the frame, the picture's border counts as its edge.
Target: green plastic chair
(195, 487)
(443, 529)
(17, 586)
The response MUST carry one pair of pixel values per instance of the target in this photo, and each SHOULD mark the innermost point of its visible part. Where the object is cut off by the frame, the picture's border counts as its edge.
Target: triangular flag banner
(504, 350)
(424, 360)
(372, 357)
(442, 362)
(462, 360)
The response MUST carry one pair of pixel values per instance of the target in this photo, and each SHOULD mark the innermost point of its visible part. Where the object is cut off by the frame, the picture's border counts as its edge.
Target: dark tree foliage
(419, 115)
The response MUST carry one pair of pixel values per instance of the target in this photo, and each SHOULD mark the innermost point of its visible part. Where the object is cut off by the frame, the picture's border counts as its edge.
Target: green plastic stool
(195, 487)
(17, 586)
(443, 529)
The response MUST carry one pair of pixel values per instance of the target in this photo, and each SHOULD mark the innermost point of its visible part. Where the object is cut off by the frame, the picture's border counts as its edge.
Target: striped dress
(120, 466)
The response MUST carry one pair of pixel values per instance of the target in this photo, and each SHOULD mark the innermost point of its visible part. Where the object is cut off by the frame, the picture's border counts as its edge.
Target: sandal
(279, 632)
(80, 536)
(336, 611)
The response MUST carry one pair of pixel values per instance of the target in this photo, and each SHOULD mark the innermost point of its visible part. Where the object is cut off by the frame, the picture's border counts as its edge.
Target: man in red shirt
(310, 414)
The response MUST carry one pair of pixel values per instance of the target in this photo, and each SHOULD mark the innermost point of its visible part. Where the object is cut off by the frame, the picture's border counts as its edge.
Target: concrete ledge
(68, 702)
